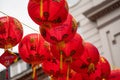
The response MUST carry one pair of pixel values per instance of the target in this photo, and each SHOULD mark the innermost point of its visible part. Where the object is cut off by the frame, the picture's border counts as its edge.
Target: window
(13, 69)
(72, 2)
(17, 68)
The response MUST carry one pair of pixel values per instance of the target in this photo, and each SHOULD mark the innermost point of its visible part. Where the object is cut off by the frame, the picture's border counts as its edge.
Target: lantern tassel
(34, 76)
(16, 60)
(68, 72)
(61, 45)
(51, 77)
(61, 60)
(7, 74)
(41, 8)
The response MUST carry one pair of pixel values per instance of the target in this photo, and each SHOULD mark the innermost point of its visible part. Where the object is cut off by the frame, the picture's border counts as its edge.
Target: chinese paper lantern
(102, 71)
(61, 33)
(48, 11)
(51, 67)
(115, 74)
(33, 49)
(11, 32)
(70, 50)
(88, 60)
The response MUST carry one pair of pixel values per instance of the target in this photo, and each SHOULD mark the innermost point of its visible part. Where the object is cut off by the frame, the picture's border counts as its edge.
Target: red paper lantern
(11, 32)
(102, 71)
(70, 50)
(61, 33)
(48, 11)
(33, 49)
(86, 63)
(115, 75)
(52, 68)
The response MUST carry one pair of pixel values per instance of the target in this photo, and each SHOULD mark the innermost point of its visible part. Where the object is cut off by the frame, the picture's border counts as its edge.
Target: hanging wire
(21, 22)
(29, 27)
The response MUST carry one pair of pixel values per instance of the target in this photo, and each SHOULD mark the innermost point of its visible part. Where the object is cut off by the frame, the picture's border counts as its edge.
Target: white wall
(110, 36)
(17, 68)
(90, 32)
(87, 28)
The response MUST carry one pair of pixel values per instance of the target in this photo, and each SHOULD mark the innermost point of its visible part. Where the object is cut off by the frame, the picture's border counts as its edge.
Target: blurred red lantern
(102, 71)
(115, 75)
(61, 33)
(11, 32)
(34, 50)
(52, 68)
(86, 63)
(70, 50)
(48, 11)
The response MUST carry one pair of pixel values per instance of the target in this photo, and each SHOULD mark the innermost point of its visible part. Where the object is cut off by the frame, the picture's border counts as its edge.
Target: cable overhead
(21, 22)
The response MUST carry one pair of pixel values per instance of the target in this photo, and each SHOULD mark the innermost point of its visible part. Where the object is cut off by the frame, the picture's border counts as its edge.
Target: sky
(18, 9)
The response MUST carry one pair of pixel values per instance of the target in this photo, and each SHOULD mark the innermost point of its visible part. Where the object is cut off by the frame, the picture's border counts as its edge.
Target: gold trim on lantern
(41, 8)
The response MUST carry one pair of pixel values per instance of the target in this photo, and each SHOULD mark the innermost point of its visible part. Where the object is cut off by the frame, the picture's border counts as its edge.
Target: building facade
(99, 23)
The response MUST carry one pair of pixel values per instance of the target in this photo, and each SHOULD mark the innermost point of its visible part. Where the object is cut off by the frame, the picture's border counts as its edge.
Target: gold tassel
(51, 77)
(41, 8)
(16, 60)
(15, 55)
(68, 72)
(61, 60)
(60, 46)
(34, 72)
